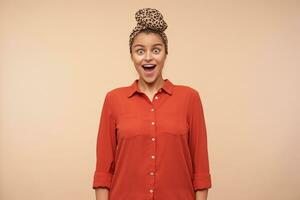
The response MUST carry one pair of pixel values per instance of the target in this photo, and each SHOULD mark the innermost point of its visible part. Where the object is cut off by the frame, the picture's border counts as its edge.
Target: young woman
(152, 141)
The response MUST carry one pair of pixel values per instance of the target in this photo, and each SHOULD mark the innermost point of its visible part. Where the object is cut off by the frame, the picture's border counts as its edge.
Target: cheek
(160, 60)
(137, 67)
(137, 60)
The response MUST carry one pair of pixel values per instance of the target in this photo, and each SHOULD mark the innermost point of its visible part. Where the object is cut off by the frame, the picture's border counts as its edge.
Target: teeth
(148, 65)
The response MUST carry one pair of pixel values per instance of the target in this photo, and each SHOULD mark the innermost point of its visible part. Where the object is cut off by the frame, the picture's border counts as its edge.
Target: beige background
(59, 58)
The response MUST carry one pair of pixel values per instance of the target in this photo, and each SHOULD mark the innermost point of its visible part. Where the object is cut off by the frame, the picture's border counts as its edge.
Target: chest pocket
(130, 125)
(173, 124)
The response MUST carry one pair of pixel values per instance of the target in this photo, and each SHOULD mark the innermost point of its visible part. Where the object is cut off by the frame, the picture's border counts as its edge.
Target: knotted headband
(149, 18)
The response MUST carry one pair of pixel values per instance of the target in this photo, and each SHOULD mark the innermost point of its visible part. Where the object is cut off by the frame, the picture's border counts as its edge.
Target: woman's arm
(198, 143)
(105, 150)
(101, 193)
(201, 194)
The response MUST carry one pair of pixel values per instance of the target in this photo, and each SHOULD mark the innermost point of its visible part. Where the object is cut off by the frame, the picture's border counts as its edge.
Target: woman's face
(148, 55)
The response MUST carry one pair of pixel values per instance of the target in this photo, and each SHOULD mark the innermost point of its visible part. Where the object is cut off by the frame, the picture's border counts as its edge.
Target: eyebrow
(157, 44)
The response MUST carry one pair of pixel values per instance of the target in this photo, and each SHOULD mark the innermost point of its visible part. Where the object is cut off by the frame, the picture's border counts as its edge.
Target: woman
(152, 141)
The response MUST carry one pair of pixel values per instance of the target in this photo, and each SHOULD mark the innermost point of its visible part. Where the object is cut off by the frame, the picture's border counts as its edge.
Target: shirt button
(153, 139)
(151, 173)
(153, 123)
(151, 190)
(152, 156)
(152, 109)
(156, 97)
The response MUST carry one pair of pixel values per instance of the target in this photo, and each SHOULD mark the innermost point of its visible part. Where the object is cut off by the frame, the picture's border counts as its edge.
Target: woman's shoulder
(118, 91)
(188, 89)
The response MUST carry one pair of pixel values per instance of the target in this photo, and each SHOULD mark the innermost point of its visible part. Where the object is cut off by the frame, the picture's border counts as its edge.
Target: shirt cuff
(202, 181)
(102, 179)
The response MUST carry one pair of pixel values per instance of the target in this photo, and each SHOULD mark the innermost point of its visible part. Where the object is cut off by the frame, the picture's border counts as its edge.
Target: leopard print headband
(149, 18)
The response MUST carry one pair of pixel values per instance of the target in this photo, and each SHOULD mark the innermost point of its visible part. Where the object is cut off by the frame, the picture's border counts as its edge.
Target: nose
(148, 56)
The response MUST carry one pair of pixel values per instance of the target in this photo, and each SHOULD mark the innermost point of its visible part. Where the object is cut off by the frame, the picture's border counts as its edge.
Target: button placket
(151, 172)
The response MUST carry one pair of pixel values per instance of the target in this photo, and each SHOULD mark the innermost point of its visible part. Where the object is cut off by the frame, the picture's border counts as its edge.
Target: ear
(166, 55)
(131, 57)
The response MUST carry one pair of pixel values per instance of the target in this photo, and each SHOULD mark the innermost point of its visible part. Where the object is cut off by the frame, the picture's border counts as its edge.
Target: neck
(150, 87)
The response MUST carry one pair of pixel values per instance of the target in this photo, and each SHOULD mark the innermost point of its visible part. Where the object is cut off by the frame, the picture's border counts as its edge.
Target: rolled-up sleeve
(198, 143)
(106, 146)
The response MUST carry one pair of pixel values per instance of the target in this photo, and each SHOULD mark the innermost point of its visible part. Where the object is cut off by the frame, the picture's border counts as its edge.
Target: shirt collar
(167, 87)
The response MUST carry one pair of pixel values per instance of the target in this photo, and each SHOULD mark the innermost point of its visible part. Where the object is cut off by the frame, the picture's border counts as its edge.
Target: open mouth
(149, 67)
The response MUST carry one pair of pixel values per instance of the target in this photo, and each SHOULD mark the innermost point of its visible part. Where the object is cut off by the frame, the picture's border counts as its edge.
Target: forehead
(147, 39)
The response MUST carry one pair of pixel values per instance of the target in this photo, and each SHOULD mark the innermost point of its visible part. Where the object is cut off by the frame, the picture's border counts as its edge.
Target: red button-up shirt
(152, 149)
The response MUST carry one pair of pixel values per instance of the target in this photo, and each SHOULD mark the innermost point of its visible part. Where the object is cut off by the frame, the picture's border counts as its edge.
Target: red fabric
(152, 149)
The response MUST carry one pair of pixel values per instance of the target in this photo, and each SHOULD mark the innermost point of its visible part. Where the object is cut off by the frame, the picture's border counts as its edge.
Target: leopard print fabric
(149, 18)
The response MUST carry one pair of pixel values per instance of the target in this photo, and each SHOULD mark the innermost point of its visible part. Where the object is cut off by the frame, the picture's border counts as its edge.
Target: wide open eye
(156, 50)
(140, 51)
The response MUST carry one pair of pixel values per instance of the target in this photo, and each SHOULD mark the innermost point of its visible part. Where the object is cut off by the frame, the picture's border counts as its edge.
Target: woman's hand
(201, 194)
(101, 193)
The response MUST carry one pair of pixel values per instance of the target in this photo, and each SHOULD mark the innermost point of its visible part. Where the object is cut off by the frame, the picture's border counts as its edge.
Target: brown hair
(149, 20)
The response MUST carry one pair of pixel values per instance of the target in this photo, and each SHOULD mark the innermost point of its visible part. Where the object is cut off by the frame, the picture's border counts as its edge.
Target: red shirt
(152, 149)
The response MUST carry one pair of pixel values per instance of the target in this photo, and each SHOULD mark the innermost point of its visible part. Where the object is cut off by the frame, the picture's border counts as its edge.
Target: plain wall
(58, 59)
